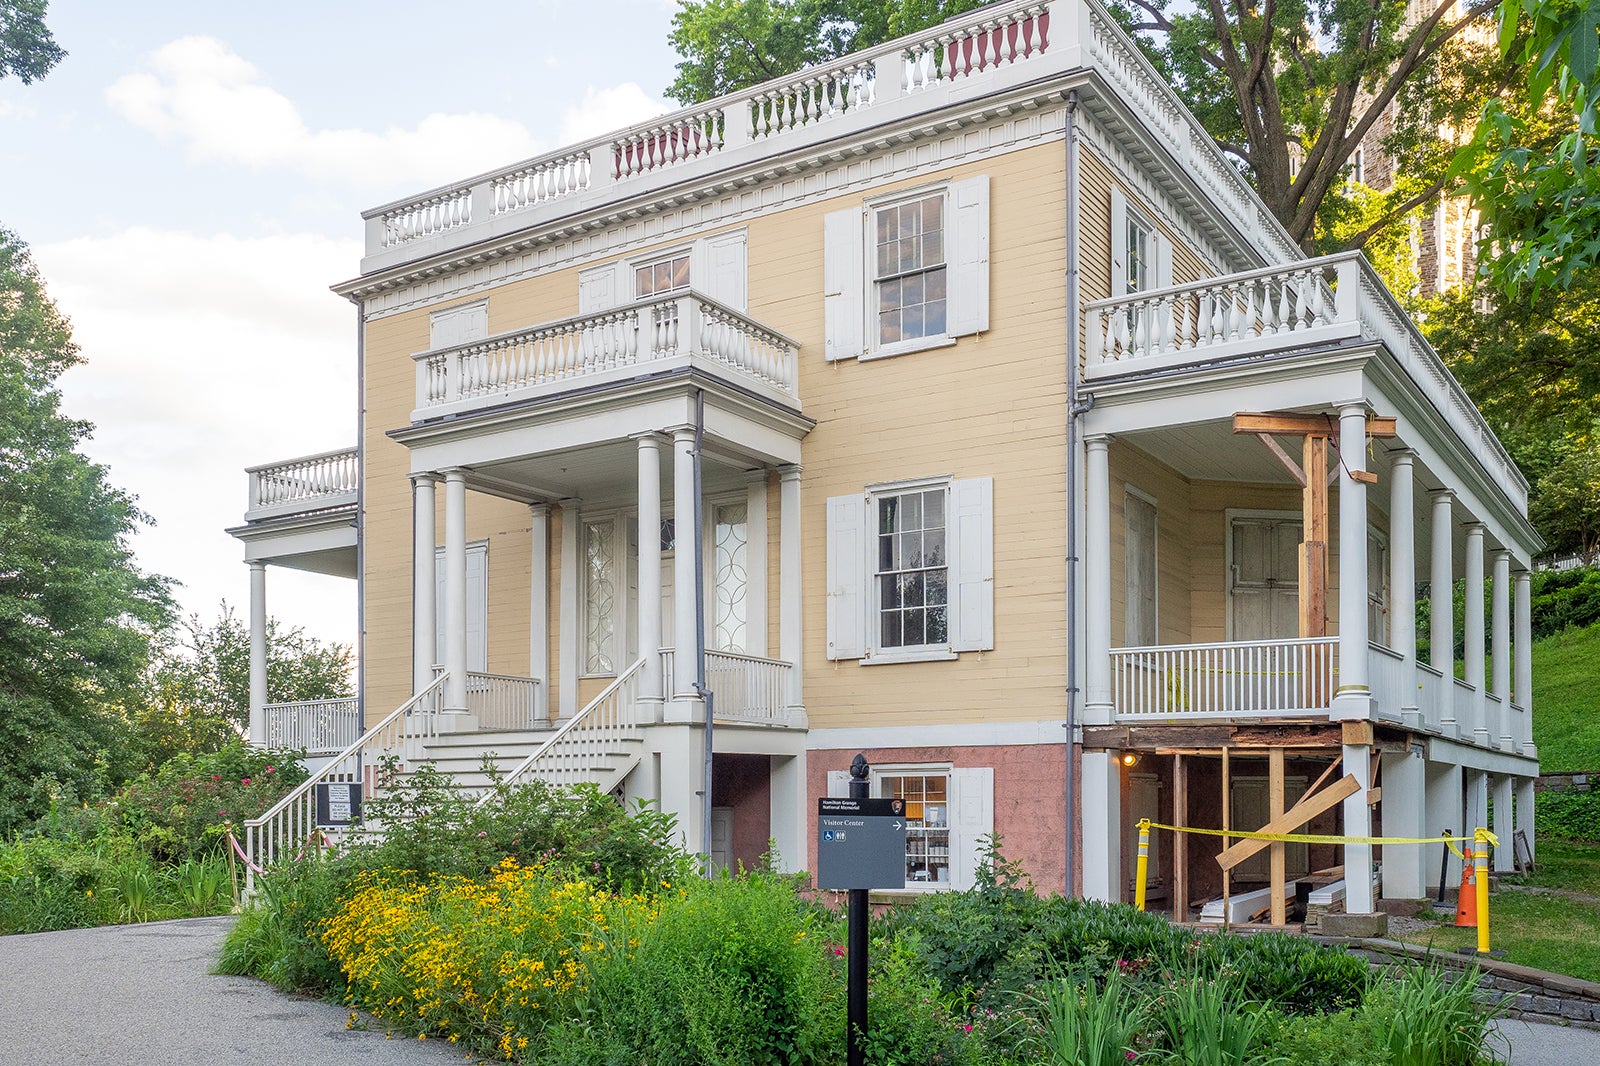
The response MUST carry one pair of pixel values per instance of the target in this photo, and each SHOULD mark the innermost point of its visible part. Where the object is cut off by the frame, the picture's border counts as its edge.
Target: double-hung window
(1141, 256)
(911, 570)
(661, 277)
(907, 272)
(910, 277)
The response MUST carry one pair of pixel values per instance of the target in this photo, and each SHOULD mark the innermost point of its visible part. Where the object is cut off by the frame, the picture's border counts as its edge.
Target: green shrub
(433, 829)
(1348, 1037)
(50, 884)
(1565, 598)
(1087, 1025)
(1428, 1016)
(1568, 815)
(1292, 973)
(276, 937)
(731, 971)
(1210, 1021)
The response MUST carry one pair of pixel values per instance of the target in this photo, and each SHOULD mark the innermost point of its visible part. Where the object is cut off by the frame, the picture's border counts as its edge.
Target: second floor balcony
(653, 337)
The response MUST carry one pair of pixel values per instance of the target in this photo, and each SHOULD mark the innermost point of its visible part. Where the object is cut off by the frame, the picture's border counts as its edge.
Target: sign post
(861, 845)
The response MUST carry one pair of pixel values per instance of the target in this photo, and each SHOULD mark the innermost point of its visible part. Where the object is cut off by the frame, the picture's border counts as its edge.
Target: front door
(1264, 579)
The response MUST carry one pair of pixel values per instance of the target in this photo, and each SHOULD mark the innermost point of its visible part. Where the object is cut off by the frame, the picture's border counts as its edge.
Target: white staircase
(463, 755)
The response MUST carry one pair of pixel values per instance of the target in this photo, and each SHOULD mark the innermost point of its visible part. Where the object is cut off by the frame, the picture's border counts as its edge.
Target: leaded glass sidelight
(600, 596)
(730, 577)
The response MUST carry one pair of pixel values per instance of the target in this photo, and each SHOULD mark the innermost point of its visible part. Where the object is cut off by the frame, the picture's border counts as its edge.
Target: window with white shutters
(1141, 256)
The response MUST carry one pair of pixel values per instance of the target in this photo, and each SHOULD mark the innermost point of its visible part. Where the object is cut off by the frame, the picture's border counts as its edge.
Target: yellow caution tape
(1320, 838)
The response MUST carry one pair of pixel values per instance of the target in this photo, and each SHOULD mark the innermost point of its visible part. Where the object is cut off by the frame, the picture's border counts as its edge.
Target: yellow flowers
(490, 962)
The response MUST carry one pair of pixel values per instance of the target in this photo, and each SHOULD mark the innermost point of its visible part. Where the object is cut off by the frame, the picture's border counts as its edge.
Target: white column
(539, 607)
(1441, 609)
(1472, 632)
(649, 612)
(455, 591)
(571, 641)
(1446, 813)
(787, 811)
(1358, 823)
(1404, 815)
(1525, 805)
(424, 581)
(1523, 693)
(1500, 642)
(258, 653)
(684, 571)
(1403, 582)
(1102, 825)
(791, 618)
(1097, 587)
(1503, 854)
(755, 598)
(1354, 698)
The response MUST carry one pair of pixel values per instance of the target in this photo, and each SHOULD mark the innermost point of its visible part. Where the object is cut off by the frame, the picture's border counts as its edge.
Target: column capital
(1499, 554)
(1522, 576)
(652, 439)
(758, 476)
(1402, 457)
(790, 472)
(1475, 529)
(1097, 440)
(1442, 494)
(256, 565)
(682, 434)
(419, 477)
(1353, 409)
(540, 507)
(455, 473)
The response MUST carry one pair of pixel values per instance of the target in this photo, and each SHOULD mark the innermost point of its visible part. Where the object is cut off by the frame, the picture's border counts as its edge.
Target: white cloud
(605, 110)
(8, 109)
(199, 92)
(204, 355)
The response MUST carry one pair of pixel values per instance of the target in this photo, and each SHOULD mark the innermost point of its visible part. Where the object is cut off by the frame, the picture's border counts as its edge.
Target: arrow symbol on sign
(897, 825)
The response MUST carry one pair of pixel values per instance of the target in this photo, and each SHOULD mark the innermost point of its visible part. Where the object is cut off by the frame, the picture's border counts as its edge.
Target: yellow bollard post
(1480, 863)
(1143, 866)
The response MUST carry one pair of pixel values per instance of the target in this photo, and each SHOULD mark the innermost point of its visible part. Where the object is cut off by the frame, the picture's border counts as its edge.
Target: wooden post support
(1180, 840)
(1227, 804)
(1314, 530)
(1308, 808)
(1280, 902)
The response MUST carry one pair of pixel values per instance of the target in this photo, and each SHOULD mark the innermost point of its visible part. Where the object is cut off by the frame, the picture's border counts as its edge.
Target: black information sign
(861, 843)
(338, 803)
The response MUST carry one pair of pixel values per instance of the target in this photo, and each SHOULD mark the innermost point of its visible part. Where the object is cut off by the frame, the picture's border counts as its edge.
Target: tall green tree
(27, 48)
(197, 692)
(76, 613)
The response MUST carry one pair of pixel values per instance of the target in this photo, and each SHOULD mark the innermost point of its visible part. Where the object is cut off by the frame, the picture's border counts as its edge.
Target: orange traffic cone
(1467, 899)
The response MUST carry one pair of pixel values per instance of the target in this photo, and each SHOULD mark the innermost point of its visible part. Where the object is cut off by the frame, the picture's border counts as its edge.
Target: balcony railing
(322, 482)
(1278, 310)
(318, 726)
(614, 345)
(746, 688)
(1244, 679)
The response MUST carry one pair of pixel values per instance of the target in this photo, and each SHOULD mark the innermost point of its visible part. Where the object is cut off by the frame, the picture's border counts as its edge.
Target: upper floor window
(662, 276)
(911, 571)
(1141, 255)
(906, 273)
(910, 277)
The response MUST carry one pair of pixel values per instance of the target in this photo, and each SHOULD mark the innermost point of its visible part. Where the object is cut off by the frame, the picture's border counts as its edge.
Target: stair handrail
(253, 826)
(569, 726)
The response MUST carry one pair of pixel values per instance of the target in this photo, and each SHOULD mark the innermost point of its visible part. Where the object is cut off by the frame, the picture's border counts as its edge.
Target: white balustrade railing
(1466, 707)
(1430, 696)
(822, 93)
(747, 688)
(1386, 677)
(503, 701)
(284, 830)
(427, 216)
(1237, 679)
(675, 139)
(318, 726)
(311, 483)
(1521, 727)
(540, 182)
(991, 40)
(1279, 309)
(689, 326)
(590, 740)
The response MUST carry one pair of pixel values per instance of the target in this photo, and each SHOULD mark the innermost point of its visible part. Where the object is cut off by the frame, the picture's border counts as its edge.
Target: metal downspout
(700, 620)
(1070, 168)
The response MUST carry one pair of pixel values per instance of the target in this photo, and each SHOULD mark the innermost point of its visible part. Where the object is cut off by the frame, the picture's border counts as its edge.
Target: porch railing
(1430, 696)
(503, 701)
(1386, 670)
(311, 483)
(316, 725)
(615, 342)
(1235, 679)
(590, 741)
(746, 688)
(284, 830)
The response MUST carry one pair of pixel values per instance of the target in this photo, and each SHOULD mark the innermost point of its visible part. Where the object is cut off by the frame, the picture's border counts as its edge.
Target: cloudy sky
(190, 180)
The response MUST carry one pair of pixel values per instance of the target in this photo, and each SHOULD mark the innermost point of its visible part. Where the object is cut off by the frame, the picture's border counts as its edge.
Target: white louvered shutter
(846, 577)
(969, 252)
(844, 284)
(725, 274)
(600, 288)
(971, 554)
(971, 819)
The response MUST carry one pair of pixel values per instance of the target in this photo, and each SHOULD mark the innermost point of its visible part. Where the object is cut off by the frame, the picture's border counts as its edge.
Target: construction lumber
(1292, 819)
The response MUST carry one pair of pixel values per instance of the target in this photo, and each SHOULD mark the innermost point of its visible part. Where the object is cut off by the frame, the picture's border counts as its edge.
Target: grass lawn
(1555, 928)
(1566, 669)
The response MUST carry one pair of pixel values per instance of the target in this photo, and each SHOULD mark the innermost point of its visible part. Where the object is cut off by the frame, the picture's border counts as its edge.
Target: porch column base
(681, 709)
(1351, 705)
(456, 722)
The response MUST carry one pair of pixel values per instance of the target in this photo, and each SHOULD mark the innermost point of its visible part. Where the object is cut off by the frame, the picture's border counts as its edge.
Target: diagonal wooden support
(1295, 817)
